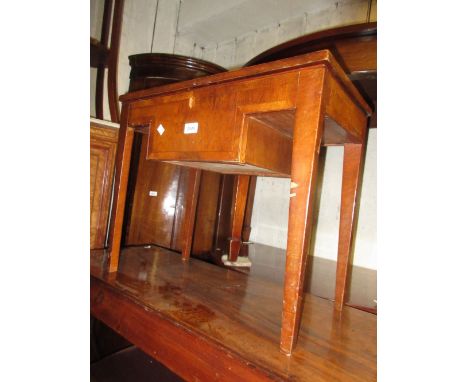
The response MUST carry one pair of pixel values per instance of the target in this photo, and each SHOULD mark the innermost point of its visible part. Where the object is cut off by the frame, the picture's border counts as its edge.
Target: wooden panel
(152, 216)
(206, 213)
(207, 323)
(230, 168)
(222, 137)
(188, 226)
(358, 54)
(334, 134)
(182, 195)
(342, 109)
(155, 69)
(217, 135)
(103, 146)
(168, 343)
(268, 148)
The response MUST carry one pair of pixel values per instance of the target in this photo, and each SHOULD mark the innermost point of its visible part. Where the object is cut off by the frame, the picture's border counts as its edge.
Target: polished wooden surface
(320, 276)
(253, 103)
(156, 69)
(323, 57)
(308, 131)
(103, 147)
(208, 323)
(206, 214)
(152, 211)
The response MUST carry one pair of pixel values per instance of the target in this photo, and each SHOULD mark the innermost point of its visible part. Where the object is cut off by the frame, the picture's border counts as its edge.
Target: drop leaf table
(269, 120)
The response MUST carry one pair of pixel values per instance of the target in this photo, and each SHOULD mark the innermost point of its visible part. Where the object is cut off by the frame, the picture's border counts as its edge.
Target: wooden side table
(268, 120)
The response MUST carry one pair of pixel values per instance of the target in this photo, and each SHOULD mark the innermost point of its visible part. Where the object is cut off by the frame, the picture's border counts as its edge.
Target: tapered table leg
(122, 167)
(241, 189)
(190, 214)
(308, 129)
(352, 165)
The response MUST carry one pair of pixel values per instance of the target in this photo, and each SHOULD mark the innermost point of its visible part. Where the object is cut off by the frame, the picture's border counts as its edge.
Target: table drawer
(226, 128)
(195, 125)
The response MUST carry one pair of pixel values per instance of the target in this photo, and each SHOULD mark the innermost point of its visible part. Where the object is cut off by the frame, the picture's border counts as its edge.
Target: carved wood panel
(103, 146)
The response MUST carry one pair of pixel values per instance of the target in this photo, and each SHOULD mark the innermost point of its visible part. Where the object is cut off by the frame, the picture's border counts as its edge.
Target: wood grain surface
(207, 323)
(103, 147)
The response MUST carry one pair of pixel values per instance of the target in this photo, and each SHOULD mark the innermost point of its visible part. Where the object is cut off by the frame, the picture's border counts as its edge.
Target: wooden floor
(207, 323)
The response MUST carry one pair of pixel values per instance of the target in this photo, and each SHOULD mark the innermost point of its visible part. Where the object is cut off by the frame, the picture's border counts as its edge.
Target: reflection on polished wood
(320, 275)
(146, 226)
(189, 221)
(158, 220)
(209, 323)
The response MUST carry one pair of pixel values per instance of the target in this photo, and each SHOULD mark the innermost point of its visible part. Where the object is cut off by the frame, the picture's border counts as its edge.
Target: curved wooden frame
(103, 57)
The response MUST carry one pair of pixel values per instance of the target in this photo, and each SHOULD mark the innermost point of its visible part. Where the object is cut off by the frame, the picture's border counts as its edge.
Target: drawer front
(195, 125)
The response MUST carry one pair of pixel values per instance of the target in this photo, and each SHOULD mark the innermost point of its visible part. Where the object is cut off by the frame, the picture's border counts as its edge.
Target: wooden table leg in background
(241, 189)
(308, 130)
(352, 167)
(190, 214)
(247, 228)
(122, 166)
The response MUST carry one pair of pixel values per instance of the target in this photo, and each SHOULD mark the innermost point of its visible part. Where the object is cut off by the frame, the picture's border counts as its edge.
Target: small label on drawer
(191, 128)
(153, 193)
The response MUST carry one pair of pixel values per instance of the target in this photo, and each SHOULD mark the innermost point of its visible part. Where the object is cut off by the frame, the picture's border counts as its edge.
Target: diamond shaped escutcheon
(160, 129)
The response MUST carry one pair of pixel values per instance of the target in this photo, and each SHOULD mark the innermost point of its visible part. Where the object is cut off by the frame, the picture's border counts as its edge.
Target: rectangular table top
(243, 121)
(322, 57)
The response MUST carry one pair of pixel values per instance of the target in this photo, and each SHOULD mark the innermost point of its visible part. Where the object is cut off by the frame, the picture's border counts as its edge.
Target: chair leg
(308, 129)
(352, 163)
(190, 214)
(237, 215)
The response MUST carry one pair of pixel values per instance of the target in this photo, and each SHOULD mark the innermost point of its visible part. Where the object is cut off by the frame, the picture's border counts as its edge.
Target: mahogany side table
(268, 120)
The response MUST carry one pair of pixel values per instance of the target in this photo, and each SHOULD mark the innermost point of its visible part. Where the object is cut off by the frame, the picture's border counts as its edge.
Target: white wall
(229, 34)
(271, 206)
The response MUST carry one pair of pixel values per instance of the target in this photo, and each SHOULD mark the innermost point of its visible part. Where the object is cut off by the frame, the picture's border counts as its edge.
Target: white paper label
(153, 193)
(191, 128)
